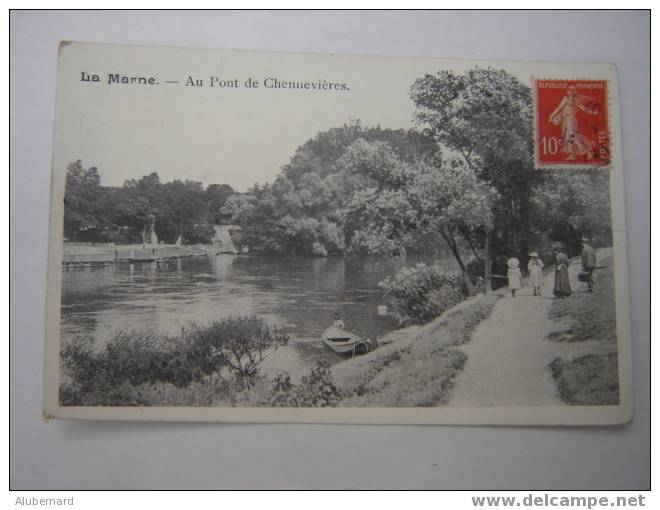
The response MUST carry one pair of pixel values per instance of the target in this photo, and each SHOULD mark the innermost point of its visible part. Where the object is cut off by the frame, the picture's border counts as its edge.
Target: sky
(236, 135)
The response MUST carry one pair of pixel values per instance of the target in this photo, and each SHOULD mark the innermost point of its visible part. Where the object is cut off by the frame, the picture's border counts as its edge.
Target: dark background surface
(85, 455)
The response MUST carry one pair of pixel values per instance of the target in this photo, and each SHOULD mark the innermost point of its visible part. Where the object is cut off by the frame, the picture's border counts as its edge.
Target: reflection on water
(300, 294)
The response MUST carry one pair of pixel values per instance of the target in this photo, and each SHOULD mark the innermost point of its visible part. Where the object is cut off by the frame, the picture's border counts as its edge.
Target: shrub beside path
(508, 355)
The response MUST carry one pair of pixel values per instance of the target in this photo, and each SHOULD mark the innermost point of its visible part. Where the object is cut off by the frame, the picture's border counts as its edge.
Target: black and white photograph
(279, 237)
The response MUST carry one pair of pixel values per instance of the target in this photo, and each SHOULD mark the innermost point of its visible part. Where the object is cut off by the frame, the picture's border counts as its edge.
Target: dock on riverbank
(89, 256)
(81, 255)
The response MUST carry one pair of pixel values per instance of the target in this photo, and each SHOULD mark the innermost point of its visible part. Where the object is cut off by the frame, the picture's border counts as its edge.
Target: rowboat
(342, 341)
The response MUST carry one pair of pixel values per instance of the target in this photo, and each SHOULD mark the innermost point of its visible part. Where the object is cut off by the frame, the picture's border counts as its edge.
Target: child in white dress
(514, 275)
(535, 271)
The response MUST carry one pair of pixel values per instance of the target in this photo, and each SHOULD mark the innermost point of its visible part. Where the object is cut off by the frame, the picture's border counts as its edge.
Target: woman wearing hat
(514, 275)
(535, 270)
(562, 284)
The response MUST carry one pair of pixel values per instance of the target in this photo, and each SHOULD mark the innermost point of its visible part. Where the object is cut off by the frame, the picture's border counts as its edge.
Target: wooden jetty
(74, 257)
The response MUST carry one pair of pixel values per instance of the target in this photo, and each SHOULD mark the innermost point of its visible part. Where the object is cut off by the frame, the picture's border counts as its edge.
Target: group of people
(562, 284)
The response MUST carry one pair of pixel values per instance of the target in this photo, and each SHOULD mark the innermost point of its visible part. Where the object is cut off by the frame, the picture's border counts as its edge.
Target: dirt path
(508, 354)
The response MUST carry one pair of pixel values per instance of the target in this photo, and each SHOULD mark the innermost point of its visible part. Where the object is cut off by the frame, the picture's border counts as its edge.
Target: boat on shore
(342, 341)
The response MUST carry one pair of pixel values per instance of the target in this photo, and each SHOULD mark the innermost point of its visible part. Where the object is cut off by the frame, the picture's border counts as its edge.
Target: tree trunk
(466, 235)
(451, 242)
(488, 287)
(468, 283)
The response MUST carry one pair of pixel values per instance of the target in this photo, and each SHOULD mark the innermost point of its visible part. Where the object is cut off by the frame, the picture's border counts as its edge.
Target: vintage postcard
(243, 236)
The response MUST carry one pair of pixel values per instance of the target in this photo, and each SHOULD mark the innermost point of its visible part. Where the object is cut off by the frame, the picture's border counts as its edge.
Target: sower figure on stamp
(575, 143)
(562, 287)
(588, 262)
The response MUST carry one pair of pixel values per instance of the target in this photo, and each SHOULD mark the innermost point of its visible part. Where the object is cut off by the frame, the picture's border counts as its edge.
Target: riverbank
(486, 350)
(415, 366)
(585, 324)
(89, 255)
(523, 351)
(542, 351)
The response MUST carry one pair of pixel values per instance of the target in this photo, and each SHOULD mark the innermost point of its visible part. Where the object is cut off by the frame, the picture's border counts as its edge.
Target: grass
(592, 314)
(420, 372)
(590, 379)
(587, 380)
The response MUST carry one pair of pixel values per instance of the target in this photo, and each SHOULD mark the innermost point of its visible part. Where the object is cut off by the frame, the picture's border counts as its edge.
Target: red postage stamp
(572, 128)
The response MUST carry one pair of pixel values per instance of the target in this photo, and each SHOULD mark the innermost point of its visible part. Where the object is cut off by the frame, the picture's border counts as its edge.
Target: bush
(318, 389)
(318, 250)
(421, 293)
(129, 359)
(366, 243)
(134, 360)
(212, 390)
(237, 344)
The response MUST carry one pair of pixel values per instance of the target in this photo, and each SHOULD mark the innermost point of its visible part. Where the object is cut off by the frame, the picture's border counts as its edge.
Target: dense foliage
(317, 389)
(305, 210)
(465, 179)
(81, 208)
(373, 191)
(236, 344)
(484, 116)
(230, 350)
(421, 293)
(570, 204)
(104, 214)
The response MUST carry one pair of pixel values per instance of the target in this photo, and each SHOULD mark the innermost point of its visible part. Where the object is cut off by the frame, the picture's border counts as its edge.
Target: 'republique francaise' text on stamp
(572, 125)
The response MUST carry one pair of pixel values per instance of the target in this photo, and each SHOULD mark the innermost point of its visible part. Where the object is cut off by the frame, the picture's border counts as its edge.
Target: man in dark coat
(588, 262)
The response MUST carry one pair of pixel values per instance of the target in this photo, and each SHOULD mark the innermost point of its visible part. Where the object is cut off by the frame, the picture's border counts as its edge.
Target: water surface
(300, 294)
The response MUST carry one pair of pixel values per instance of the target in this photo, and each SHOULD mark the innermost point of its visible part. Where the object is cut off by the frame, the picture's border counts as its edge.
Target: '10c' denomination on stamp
(572, 125)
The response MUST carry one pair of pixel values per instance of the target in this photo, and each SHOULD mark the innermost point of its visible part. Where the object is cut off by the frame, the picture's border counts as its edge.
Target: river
(300, 294)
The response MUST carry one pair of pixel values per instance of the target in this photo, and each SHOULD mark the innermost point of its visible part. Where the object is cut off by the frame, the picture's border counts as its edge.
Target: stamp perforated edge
(567, 166)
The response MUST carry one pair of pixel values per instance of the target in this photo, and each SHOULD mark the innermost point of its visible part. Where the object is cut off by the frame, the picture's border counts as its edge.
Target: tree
(452, 201)
(420, 199)
(380, 222)
(304, 210)
(149, 187)
(138, 200)
(124, 212)
(130, 209)
(571, 204)
(182, 210)
(240, 208)
(320, 153)
(376, 163)
(82, 190)
(216, 196)
(485, 116)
